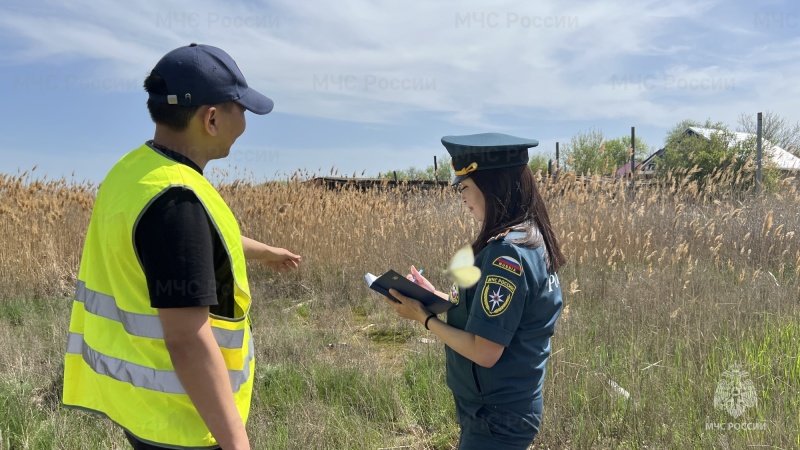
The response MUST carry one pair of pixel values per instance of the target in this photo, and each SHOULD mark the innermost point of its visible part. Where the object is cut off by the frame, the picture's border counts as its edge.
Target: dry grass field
(664, 295)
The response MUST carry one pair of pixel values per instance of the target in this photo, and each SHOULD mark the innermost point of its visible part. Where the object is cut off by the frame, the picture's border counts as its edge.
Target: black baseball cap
(200, 74)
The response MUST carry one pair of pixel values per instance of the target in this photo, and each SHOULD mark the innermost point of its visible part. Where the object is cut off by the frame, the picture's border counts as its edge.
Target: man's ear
(209, 116)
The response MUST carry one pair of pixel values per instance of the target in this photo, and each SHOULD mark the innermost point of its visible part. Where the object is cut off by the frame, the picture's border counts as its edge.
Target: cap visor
(256, 102)
(458, 179)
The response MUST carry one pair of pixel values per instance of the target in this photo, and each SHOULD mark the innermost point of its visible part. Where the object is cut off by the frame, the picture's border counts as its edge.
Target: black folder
(393, 280)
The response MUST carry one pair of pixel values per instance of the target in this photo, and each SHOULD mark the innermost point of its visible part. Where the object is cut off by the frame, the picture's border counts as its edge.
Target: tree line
(592, 153)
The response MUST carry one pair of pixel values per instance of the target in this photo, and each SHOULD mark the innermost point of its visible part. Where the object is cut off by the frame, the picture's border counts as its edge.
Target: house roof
(782, 159)
(626, 169)
(657, 154)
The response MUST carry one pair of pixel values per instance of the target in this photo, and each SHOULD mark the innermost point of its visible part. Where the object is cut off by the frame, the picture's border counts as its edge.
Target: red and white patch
(508, 263)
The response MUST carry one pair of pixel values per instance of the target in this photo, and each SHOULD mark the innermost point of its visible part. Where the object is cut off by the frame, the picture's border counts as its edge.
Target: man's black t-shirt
(182, 254)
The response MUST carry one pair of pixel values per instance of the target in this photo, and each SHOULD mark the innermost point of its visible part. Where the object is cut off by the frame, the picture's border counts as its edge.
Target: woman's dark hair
(513, 201)
(176, 117)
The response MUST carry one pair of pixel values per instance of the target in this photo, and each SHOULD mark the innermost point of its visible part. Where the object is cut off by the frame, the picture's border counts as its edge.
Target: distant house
(625, 170)
(778, 157)
(645, 168)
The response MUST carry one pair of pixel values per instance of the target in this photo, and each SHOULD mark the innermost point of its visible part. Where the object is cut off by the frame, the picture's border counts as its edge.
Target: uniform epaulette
(499, 237)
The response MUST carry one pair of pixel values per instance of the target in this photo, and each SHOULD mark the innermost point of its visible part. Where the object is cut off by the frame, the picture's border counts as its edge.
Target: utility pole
(758, 155)
(633, 163)
(556, 156)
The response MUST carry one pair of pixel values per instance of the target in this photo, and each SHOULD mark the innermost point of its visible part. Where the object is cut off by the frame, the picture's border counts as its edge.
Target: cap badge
(467, 170)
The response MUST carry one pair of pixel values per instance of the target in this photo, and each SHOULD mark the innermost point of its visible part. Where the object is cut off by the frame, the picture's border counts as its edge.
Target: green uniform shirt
(516, 304)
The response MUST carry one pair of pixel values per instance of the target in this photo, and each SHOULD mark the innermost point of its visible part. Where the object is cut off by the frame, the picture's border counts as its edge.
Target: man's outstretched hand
(275, 258)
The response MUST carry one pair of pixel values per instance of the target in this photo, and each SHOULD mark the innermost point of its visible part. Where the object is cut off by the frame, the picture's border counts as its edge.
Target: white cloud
(384, 62)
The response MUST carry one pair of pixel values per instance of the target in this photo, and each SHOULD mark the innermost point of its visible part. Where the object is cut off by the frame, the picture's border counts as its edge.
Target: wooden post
(435, 169)
(758, 154)
(556, 155)
(633, 163)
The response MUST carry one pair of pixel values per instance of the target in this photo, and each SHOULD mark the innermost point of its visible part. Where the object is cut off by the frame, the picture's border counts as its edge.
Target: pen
(413, 278)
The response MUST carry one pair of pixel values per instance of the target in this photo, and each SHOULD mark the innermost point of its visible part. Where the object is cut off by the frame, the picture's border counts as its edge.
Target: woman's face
(472, 197)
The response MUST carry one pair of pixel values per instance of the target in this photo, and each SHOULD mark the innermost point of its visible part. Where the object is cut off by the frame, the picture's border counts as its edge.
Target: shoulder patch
(454, 296)
(496, 295)
(508, 263)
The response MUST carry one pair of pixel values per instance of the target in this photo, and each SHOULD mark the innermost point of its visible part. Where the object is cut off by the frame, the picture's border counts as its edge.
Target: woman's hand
(408, 308)
(418, 279)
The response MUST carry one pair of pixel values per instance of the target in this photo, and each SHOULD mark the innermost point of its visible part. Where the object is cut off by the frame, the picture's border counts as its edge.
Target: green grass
(32, 340)
(391, 335)
(668, 345)
(430, 403)
(350, 375)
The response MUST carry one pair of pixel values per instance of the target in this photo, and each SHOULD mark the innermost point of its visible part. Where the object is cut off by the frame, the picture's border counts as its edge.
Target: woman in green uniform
(497, 335)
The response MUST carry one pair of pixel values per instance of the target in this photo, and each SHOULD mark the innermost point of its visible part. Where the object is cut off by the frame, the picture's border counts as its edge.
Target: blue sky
(373, 85)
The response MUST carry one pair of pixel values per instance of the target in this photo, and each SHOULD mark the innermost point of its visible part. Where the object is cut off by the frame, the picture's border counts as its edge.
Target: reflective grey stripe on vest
(146, 377)
(142, 325)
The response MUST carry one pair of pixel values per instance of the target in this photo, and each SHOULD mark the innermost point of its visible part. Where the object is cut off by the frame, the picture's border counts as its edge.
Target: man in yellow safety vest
(159, 337)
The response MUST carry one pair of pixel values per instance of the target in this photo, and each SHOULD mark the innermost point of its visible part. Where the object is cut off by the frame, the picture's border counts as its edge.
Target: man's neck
(183, 144)
(175, 156)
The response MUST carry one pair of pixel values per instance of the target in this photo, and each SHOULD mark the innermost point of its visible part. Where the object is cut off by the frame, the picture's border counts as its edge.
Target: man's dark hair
(513, 201)
(176, 117)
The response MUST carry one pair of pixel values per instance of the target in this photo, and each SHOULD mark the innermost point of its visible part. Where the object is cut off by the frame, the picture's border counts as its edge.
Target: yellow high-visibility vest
(117, 363)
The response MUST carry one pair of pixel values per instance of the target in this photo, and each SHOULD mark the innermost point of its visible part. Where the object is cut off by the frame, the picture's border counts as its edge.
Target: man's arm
(273, 257)
(201, 369)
